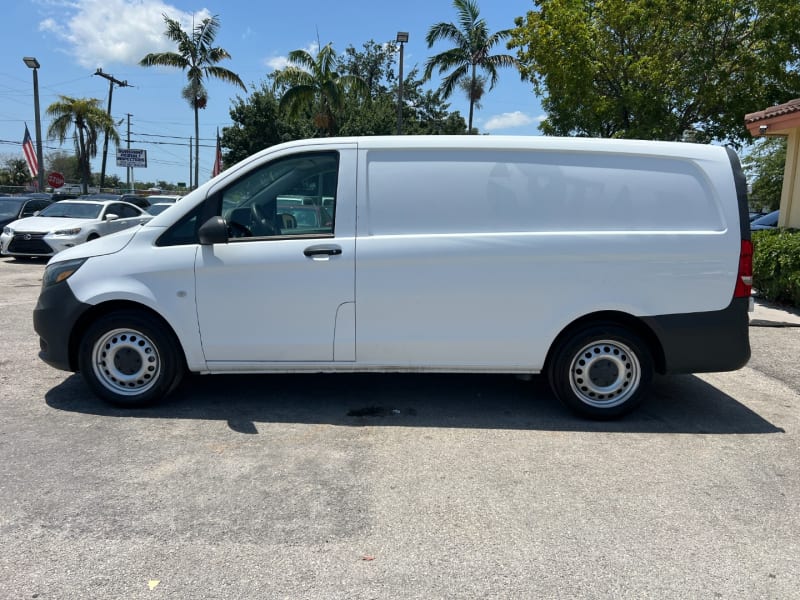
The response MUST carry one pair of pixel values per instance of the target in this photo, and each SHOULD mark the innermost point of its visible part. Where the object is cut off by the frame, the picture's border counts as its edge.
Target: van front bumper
(54, 318)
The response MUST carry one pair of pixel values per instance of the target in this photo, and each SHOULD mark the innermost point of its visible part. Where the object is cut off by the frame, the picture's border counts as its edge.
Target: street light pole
(402, 38)
(32, 63)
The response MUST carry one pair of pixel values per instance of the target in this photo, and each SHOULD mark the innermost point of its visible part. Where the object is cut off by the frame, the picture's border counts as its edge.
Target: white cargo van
(596, 262)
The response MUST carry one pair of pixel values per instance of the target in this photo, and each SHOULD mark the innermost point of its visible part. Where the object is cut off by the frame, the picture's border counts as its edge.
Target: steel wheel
(131, 358)
(601, 371)
(605, 373)
(126, 361)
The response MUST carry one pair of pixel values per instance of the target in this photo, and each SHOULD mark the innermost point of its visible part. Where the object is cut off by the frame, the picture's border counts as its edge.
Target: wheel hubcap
(126, 361)
(605, 373)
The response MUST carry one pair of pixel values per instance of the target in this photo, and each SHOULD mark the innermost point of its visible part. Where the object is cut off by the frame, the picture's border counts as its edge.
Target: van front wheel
(601, 372)
(129, 360)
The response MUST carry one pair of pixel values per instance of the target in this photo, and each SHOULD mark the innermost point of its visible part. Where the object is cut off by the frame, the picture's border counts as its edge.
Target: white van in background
(596, 262)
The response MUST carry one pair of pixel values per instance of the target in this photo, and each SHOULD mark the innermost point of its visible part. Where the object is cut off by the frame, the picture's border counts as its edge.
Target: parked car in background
(164, 198)
(159, 207)
(63, 196)
(66, 224)
(303, 216)
(141, 201)
(768, 221)
(13, 208)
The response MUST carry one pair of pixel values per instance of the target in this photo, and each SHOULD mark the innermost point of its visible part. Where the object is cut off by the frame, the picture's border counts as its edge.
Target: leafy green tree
(374, 64)
(65, 163)
(764, 166)
(657, 69)
(86, 119)
(15, 172)
(313, 85)
(471, 54)
(198, 57)
(258, 123)
(424, 111)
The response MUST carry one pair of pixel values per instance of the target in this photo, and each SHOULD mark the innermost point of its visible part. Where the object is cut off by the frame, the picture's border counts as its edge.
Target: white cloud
(276, 63)
(511, 120)
(99, 33)
(281, 62)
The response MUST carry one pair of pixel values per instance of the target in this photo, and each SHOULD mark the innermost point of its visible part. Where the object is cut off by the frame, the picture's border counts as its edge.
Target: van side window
(291, 196)
(184, 231)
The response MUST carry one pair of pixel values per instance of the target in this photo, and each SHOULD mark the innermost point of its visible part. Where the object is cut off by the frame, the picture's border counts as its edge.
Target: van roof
(510, 142)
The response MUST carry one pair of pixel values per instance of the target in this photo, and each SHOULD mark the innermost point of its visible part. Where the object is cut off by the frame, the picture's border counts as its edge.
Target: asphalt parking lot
(395, 486)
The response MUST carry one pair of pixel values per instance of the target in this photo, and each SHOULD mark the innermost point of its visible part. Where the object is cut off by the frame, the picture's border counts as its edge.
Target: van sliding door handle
(323, 250)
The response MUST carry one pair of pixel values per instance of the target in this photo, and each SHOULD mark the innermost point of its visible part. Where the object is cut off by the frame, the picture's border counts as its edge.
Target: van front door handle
(323, 250)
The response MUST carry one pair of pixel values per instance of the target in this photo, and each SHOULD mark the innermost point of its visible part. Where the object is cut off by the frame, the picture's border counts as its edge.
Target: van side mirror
(213, 231)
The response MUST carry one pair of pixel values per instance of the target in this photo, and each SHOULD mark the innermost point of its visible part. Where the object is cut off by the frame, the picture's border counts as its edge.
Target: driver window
(295, 195)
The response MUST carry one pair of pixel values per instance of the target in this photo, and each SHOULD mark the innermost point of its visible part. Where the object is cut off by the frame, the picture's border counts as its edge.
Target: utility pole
(111, 82)
(128, 170)
(191, 173)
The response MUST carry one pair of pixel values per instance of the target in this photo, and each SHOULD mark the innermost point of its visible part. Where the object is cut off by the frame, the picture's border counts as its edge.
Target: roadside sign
(128, 157)
(55, 180)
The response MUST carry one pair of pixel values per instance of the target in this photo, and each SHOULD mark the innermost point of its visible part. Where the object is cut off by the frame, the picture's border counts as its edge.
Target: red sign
(55, 179)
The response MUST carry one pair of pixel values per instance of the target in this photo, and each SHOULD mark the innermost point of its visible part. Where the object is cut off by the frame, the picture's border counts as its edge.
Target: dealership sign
(128, 157)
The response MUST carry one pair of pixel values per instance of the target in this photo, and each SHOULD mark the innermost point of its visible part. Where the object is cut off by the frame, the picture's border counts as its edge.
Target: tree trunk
(471, 99)
(83, 162)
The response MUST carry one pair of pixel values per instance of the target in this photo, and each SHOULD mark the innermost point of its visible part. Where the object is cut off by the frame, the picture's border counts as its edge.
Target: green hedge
(776, 265)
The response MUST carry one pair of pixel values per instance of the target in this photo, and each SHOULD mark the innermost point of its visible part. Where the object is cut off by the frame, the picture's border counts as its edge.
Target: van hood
(108, 244)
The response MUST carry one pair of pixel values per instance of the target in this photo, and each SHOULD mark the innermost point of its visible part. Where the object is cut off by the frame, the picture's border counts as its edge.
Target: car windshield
(157, 209)
(9, 207)
(73, 210)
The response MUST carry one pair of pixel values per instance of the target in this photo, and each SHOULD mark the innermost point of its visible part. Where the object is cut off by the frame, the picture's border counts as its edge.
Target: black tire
(127, 358)
(92, 236)
(601, 372)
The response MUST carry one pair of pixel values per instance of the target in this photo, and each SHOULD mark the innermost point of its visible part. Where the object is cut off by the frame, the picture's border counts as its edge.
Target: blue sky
(72, 38)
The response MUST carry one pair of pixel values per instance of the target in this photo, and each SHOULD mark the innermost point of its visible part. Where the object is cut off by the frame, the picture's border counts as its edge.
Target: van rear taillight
(744, 280)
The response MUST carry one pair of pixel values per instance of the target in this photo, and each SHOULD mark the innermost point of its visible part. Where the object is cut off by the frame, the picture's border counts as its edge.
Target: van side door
(282, 288)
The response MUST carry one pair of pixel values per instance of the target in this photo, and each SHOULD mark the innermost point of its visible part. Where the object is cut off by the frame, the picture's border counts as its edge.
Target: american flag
(217, 159)
(30, 153)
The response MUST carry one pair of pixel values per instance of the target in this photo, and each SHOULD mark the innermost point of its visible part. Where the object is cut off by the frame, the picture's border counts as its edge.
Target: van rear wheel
(601, 372)
(128, 359)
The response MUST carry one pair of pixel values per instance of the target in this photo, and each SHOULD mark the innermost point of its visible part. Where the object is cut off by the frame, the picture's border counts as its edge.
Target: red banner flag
(30, 153)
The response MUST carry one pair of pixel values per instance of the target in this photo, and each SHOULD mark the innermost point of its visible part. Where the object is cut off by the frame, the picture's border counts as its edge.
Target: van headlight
(60, 271)
(8, 231)
(73, 231)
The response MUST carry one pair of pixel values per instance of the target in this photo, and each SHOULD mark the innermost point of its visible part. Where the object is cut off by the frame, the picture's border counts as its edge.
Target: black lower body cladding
(54, 319)
(705, 341)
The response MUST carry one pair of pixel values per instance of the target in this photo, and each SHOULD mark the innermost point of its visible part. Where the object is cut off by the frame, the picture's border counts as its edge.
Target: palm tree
(89, 120)
(195, 55)
(314, 84)
(471, 53)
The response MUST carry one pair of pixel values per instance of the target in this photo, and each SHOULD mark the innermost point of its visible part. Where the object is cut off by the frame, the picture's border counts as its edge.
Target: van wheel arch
(620, 319)
(100, 310)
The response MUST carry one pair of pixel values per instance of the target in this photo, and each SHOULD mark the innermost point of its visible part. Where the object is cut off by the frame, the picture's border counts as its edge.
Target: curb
(767, 323)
